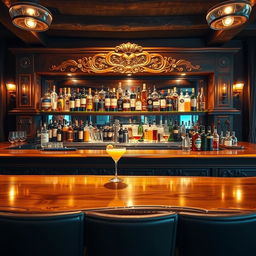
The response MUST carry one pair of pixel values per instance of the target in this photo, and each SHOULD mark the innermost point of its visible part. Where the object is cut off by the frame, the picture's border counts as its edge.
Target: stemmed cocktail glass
(116, 152)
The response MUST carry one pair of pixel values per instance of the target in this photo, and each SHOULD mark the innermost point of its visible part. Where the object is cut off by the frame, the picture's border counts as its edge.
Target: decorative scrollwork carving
(126, 58)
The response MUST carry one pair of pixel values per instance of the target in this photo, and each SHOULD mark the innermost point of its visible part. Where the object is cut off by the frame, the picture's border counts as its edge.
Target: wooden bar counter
(223, 163)
(29, 193)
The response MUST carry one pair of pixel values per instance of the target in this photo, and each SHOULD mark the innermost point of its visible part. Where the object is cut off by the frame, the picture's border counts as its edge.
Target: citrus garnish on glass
(116, 152)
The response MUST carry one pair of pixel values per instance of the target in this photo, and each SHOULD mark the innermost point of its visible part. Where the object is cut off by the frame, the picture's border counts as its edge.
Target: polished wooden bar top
(248, 151)
(66, 193)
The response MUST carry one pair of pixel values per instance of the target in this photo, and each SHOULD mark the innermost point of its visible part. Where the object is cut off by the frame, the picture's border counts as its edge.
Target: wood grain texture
(68, 193)
(248, 152)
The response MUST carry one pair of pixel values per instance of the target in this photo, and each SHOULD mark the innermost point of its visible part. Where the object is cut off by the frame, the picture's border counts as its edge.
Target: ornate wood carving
(126, 58)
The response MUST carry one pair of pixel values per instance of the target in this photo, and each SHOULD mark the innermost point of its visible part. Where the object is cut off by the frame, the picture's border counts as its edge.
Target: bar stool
(41, 234)
(124, 232)
(216, 234)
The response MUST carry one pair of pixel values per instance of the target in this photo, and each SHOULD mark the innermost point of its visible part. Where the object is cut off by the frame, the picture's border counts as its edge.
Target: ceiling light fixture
(229, 14)
(30, 16)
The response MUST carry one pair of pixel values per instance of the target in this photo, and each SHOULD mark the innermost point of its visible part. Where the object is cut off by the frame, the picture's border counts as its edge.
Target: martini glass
(116, 152)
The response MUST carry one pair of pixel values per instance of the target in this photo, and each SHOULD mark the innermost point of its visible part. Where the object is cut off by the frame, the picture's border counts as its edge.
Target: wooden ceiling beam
(220, 37)
(31, 38)
(145, 23)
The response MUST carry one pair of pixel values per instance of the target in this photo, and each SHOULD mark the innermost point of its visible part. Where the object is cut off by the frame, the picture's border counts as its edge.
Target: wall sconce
(224, 93)
(238, 88)
(11, 87)
(11, 95)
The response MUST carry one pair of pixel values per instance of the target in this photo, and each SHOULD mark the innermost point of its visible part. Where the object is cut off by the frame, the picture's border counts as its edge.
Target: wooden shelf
(112, 113)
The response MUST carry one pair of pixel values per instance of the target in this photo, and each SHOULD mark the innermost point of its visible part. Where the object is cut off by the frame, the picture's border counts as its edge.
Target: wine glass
(22, 136)
(12, 137)
(116, 152)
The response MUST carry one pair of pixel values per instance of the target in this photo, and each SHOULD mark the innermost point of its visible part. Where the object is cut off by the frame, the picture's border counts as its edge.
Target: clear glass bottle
(138, 106)
(216, 139)
(187, 102)
(193, 101)
(54, 98)
(186, 143)
(44, 136)
(234, 138)
(228, 140)
(181, 106)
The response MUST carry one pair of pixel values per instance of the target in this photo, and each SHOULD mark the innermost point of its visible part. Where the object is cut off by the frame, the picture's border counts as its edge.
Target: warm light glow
(238, 87)
(183, 74)
(228, 10)
(12, 194)
(238, 195)
(30, 22)
(129, 74)
(228, 21)
(224, 89)
(69, 74)
(31, 11)
(11, 87)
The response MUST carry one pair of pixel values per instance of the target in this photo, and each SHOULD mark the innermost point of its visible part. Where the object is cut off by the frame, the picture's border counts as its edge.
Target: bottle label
(126, 105)
(138, 106)
(193, 103)
(80, 135)
(107, 102)
(59, 137)
(113, 103)
(198, 143)
(133, 103)
(163, 103)
(228, 143)
(54, 105)
(89, 104)
(71, 104)
(83, 101)
(46, 103)
(44, 138)
(176, 131)
(54, 132)
(50, 133)
(156, 103)
(77, 103)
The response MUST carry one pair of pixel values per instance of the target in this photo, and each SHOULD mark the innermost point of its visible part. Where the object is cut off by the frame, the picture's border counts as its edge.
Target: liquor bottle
(187, 102)
(144, 98)
(193, 101)
(44, 136)
(140, 130)
(169, 103)
(50, 131)
(182, 130)
(67, 96)
(133, 100)
(234, 138)
(222, 138)
(202, 100)
(110, 133)
(126, 137)
(196, 141)
(59, 134)
(150, 133)
(138, 105)
(89, 101)
(119, 91)
(162, 101)
(121, 135)
(209, 139)
(113, 100)
(175, 99)
(86, 135)
(126, 102)
(149, 102)
(75, 131)
(72, 102)
(46, 102)
(81, 132)
(60, 101)
(216, 139)
(54, 131)
(198, 104)
(120, 103)
(96, 101)
(54, 98)
(77, 100)
(107, 100)
(65, 130)
(181, 106)
(176, 136)
(186, 143)
(228, 139)
(70, 134)
(156, 101)
(83, 100)
(203, 139)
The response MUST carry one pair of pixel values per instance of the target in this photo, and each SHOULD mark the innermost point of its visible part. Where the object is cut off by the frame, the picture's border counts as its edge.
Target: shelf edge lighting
(30, 16)
(228, 14)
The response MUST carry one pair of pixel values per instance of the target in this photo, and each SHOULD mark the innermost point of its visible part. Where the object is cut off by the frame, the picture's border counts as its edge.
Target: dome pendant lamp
(229, 14)
(30, 16)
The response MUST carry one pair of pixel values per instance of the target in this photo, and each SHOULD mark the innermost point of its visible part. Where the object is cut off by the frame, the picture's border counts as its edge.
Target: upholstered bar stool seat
(42, 234)
(131, 232)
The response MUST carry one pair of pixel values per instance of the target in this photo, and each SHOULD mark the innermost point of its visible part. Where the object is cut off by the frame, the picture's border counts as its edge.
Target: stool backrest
(129, 232)
(41, 234)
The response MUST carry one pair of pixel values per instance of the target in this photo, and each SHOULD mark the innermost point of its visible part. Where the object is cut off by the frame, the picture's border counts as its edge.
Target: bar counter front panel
(224, 163)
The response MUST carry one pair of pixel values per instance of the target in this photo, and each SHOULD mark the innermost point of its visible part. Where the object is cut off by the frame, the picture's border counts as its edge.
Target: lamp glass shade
(228, 15)
(30, 16)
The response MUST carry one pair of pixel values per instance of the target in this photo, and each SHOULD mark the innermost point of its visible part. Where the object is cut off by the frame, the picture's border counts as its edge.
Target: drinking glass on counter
(12, 137)
(116, 152)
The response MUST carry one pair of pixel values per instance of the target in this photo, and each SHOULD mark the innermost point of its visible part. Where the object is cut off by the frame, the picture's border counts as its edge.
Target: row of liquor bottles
(119, 100)
(193, 136)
